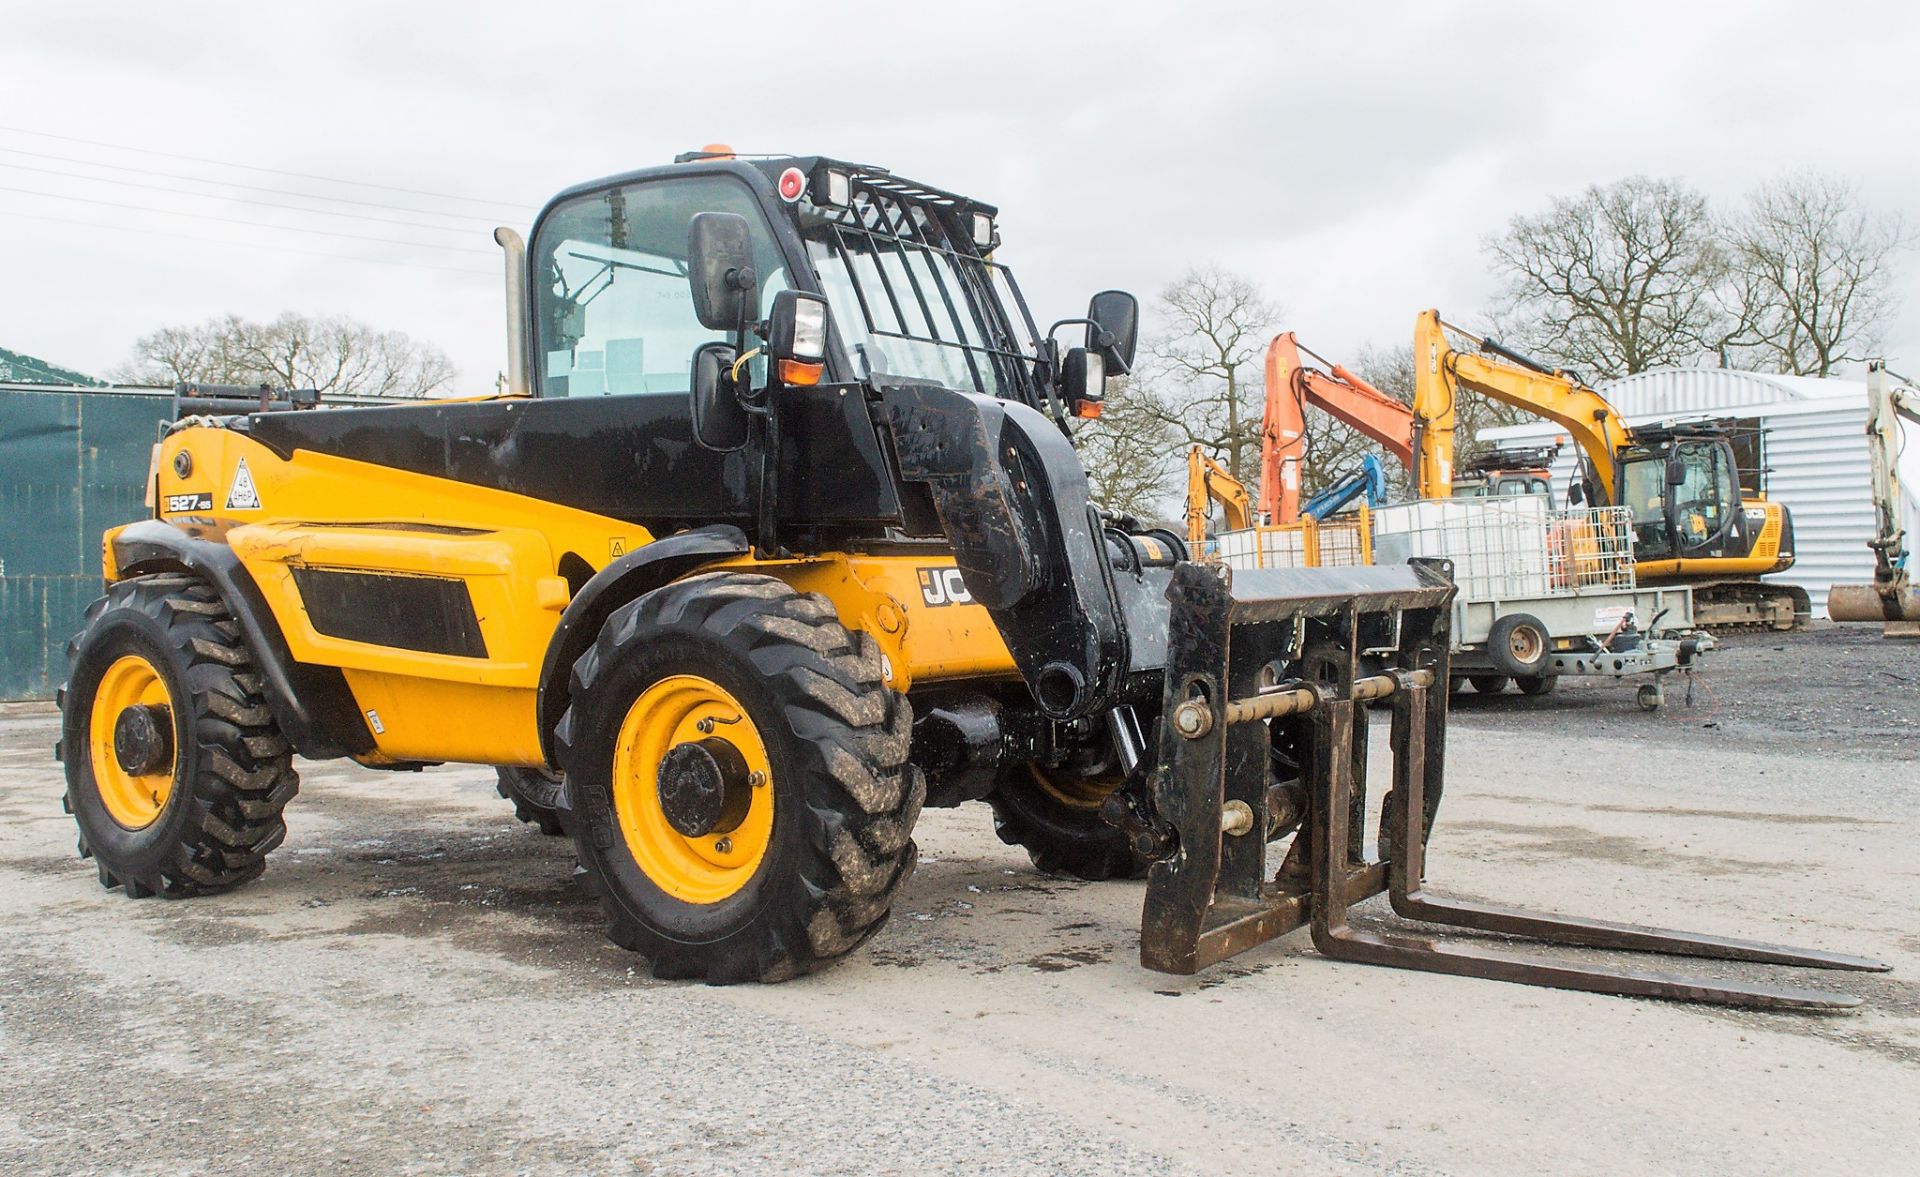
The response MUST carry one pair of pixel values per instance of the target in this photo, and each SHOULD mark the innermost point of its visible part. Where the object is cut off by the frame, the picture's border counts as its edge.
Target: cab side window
(613, 314)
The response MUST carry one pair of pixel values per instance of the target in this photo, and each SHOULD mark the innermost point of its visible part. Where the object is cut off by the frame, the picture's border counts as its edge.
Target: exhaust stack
(519, 382)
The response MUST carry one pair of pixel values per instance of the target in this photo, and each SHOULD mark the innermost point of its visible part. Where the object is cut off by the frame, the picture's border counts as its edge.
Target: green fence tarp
(72, 464)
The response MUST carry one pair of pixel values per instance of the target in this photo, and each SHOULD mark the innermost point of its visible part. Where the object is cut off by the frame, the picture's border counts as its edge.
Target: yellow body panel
(418, 718)
(915, 606)
(323, 512)
(501, 569)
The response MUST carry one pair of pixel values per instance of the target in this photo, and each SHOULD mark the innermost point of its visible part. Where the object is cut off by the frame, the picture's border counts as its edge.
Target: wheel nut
(723, 846)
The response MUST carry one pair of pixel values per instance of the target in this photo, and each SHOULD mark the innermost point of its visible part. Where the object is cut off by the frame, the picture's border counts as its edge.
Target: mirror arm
(1103, 342)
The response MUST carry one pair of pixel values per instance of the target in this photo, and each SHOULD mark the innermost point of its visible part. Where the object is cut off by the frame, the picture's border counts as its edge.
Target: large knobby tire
(727, 678)
(539, 797)
(176, 772)
(1055, 816)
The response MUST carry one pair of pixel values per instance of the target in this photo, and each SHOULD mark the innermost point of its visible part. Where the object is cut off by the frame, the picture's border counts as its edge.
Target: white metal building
(1813, 447)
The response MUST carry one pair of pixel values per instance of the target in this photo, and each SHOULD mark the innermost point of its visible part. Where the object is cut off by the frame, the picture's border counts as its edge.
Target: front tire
(1054, 814)
(176, 771)
(743, 804)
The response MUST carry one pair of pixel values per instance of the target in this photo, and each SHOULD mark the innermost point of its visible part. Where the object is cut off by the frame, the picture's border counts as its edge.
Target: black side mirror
(1118, 316)
(726, 291)
(719, 419)
(1676, 472)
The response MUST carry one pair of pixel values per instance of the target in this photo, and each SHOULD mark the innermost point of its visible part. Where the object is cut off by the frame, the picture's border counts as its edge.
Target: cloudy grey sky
(1349, 157)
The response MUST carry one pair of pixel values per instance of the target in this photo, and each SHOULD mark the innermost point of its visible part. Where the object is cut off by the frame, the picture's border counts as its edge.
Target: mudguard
(639, 571)
(312, 704)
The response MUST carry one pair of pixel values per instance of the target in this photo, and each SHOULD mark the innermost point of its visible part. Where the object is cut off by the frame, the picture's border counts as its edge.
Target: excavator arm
(1291, 384)
(1209, 481)
(1891, 596)
(1506, 376)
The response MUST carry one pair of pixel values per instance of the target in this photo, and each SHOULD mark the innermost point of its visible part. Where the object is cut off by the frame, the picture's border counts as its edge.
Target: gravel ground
(1838, 690)
(417, 986)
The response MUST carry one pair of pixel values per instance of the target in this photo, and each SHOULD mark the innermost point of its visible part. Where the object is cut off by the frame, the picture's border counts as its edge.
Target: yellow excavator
(1692, 524)
(1210, 482)
(1891, 597)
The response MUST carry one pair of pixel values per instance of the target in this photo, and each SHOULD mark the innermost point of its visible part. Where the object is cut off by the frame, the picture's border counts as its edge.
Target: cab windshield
(912, 302)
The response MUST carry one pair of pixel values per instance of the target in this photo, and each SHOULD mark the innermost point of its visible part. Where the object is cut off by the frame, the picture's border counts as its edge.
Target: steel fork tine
(1332, 786)
(1410, 901)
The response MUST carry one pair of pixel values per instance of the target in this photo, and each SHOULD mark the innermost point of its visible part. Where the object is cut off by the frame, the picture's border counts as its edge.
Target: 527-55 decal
(192, 502)
(943, 586)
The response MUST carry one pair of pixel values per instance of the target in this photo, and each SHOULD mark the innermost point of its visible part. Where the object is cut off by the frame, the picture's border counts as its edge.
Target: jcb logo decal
(943, 586)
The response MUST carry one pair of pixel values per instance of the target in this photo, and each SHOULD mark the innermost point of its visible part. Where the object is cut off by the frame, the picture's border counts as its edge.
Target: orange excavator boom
(1291, 384)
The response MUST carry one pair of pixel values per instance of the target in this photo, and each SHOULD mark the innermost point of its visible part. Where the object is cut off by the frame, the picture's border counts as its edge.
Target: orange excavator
(1291, 385)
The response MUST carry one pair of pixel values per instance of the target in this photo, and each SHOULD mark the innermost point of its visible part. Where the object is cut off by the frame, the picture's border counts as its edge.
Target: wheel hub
(705, 787)
(143, 739)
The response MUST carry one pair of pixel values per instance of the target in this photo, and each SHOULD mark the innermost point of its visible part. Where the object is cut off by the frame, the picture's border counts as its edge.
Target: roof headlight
(830, 188)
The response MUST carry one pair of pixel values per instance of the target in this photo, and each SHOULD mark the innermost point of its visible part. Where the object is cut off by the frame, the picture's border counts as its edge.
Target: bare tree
(1623, 278)
(336, 355)
(1129, 453)
(1813, 269)
(1201, 379)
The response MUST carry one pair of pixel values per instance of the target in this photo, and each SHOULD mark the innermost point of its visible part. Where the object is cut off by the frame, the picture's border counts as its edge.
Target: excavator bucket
(1270, 678)
(1884, 601)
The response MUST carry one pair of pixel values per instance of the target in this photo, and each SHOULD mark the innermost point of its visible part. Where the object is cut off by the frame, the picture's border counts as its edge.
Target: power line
(352, 257)
(269, 171)
(117, 167)
(318, 212)
(251, 224)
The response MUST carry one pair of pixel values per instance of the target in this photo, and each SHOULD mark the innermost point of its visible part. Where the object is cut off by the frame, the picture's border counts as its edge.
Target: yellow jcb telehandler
(777, 536)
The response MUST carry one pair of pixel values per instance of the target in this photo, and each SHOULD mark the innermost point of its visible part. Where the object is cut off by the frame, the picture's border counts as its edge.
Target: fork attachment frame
(1269, 678)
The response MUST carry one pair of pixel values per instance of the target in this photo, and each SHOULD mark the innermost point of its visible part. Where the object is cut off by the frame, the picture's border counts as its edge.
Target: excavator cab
(1683, 485)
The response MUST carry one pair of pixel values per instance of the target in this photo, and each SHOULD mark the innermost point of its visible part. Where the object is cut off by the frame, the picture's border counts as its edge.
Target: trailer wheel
(538, 795)
(742, 801)
(176, 771)
(1055, 816)
(1536, 684)
(1488, 684)
(1518, 645)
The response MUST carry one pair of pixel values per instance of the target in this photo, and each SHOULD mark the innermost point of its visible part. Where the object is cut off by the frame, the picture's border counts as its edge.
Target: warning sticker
(242, 495)
(1610, 616)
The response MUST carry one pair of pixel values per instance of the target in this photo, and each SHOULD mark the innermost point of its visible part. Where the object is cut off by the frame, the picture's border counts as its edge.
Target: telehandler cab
(777, 536)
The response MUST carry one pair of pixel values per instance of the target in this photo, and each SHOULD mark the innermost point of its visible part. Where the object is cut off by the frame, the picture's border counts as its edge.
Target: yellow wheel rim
(680, 709)
(134, 800)
(1075, 792)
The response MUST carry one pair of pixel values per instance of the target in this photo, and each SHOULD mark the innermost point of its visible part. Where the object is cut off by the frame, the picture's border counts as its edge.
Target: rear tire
(539, 796)
(824, 833)
(1488, 684)
(1537, 684)
(197, 807)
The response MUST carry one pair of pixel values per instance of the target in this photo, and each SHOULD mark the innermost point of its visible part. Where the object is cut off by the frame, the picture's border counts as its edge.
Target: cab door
(1704, 506)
